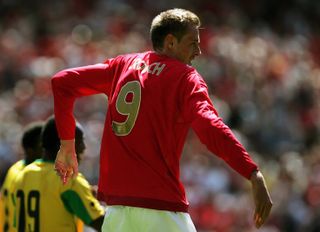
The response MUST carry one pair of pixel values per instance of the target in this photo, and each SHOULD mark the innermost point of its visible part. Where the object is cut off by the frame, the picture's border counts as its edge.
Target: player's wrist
(67, 145)
(255, 176)
(67, 141)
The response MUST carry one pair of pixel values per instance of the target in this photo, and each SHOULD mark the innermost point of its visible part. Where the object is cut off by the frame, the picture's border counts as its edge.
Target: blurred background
(260, 59)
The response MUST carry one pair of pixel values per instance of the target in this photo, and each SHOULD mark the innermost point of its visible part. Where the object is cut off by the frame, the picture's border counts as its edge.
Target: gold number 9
(129, 109)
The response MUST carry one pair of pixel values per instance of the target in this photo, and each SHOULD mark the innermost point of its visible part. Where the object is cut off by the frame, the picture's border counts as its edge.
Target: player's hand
(66, 164)
(262, 200)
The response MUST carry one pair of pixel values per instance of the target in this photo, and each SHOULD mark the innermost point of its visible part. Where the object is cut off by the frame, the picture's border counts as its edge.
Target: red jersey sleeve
(211, 130)
(69, 84)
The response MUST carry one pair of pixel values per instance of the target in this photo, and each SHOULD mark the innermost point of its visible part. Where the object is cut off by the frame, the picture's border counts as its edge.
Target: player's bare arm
(262, 199)
(66, 164)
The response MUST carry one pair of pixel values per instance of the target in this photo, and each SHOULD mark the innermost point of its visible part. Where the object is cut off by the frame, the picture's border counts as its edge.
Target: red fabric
(142, 168)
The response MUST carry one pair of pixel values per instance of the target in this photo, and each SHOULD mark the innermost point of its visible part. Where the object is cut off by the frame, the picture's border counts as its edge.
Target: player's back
(44, 203)
(148, 128)
(7, 207)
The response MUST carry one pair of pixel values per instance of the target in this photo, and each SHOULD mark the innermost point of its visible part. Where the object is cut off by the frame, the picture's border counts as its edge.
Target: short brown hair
(31, 137)
(174, 21)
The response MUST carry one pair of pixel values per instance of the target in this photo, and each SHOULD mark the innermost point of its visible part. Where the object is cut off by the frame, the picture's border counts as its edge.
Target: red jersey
(153, 100)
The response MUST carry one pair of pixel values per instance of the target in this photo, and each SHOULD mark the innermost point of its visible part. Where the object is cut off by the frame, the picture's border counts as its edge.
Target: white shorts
(135, 219)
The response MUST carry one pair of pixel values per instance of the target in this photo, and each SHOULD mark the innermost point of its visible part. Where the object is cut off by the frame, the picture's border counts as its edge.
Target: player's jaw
(191, 59)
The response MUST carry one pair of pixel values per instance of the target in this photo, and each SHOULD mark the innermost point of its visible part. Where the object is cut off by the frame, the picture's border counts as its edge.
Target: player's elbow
(58, 80)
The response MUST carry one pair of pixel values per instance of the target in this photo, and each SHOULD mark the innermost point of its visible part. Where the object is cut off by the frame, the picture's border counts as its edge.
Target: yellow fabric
(45, 198)
(6, 203)
(1, 214)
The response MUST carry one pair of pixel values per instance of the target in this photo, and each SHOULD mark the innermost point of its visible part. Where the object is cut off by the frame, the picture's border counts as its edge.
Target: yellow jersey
(6, 197)
(43, 203)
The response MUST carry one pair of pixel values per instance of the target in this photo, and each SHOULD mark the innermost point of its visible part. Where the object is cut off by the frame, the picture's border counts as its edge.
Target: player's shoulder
(23, 172)
(12, 173)
(185, 73)
(36, 167)
(177, 66)
(193, 74)
(131, 57)
(15, 168)
(78, 184)
(81, 179)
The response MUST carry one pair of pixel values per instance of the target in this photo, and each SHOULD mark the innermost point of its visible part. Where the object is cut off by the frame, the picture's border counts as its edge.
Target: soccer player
(31, 144)
(154, 98)
(43, 203)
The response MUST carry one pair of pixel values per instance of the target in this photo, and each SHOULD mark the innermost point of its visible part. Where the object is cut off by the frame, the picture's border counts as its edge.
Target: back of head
(31, 141)
(51, 141)
(174, 21)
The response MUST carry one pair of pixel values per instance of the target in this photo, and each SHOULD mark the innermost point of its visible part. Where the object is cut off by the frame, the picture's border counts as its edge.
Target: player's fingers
(74, 174)
(262, 214)
(59, 166)
(62, 171)
(257, 215)
(266, 211)
(66, 177)
(258, 221)
(59, 171)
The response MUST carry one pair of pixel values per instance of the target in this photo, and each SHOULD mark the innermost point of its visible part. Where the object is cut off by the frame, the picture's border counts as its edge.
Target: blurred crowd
(260, 59)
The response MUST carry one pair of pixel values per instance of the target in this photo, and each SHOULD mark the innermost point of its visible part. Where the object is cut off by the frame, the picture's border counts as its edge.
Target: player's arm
(198, 110)
(225, 145)
(220, 140)
(70, 84)
(67, 86)
(261, 198)
(79, 200)
(66, 164)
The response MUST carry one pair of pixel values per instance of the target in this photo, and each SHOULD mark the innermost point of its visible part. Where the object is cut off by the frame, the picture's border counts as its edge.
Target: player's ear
(170, 41)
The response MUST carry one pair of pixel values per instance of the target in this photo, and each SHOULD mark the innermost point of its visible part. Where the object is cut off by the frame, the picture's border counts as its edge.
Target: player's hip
(127, 218)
